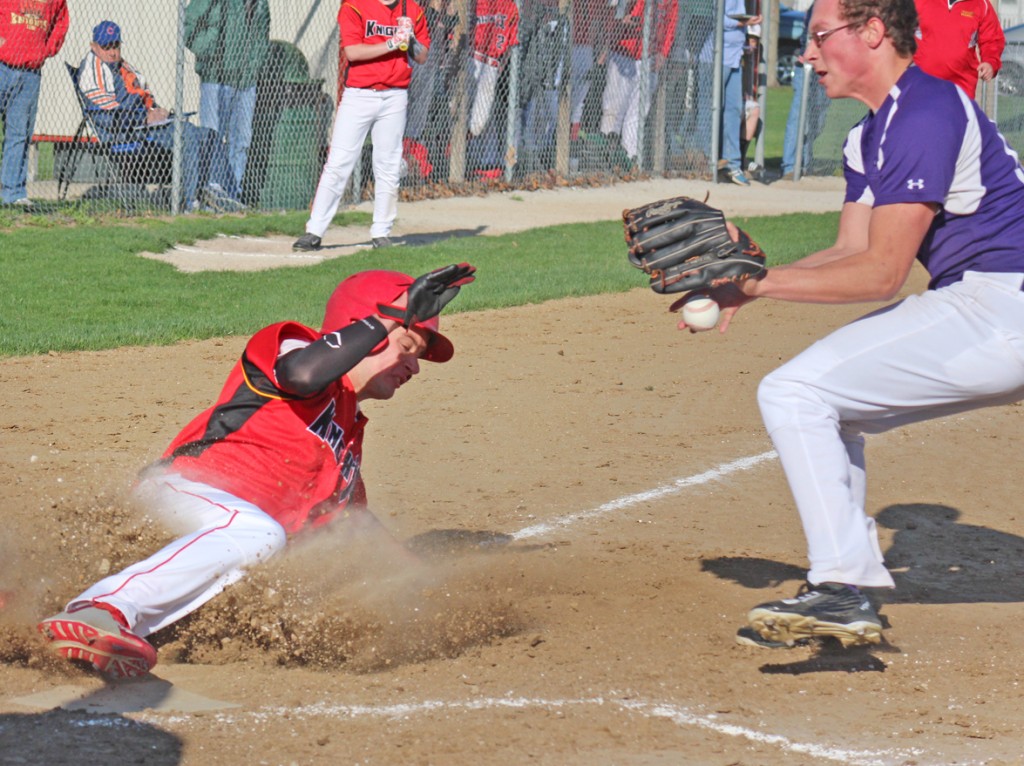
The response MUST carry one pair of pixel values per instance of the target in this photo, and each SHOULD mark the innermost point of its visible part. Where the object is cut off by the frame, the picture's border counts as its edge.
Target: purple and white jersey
(930, 143)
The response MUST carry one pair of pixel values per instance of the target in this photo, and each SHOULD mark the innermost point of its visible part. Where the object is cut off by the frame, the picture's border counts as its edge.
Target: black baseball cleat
(307, 243)
(381, 242)
(830, 609)
(747, 636)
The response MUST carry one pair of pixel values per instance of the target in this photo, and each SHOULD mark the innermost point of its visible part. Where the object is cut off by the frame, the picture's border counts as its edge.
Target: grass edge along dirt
(84, 287)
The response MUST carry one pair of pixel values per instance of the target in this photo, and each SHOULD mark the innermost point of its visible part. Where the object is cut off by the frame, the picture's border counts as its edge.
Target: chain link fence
(515, 94)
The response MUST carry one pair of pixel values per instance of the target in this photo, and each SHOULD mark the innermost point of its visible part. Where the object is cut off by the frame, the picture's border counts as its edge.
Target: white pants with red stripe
(361, 111)
(223, 536)
(932, 355)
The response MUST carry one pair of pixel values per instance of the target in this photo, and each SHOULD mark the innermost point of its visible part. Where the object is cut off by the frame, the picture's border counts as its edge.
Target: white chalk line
(681, 716)
(205, 251)
(673, 487)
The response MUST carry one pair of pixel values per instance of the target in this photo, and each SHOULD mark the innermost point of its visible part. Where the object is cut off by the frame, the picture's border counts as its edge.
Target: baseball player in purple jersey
(928, 176)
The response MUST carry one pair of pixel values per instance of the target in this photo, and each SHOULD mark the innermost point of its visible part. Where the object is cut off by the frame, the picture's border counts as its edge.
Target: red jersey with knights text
(296, 458)
(31, 31)
(371, 22)
(497, 27)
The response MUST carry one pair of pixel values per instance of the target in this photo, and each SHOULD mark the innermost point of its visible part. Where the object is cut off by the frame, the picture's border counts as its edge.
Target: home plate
(150, 693)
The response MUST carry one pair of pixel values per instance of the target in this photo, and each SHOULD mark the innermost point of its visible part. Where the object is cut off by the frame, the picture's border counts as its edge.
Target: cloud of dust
(345, 595)
(354, 598)
(83, 539)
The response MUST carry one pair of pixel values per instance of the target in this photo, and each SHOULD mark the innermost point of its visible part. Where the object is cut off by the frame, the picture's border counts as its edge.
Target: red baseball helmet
(357, 296)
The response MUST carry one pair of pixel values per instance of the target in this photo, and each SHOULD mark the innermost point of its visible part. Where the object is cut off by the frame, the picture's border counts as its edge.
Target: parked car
(791, 28)
(1011, 76)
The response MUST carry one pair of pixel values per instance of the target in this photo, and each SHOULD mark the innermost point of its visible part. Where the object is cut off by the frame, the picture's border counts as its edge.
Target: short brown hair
(899, 17)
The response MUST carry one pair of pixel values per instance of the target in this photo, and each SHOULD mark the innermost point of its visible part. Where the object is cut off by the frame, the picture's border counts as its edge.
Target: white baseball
(700, 312)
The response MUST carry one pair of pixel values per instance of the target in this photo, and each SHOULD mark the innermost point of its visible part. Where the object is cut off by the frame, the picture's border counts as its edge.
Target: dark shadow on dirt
(78, 736)
(828, 656)
(359, 241)
(429, 238)
(933, 558)
(753, 572)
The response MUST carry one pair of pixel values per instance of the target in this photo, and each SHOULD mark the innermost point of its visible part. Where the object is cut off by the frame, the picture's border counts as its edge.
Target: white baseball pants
(224, 536)
(620, 102)
(932, 355)
(484, 72)
(362, 110)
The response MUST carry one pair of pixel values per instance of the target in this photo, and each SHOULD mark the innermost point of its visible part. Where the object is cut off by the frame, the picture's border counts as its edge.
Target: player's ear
(873, 32)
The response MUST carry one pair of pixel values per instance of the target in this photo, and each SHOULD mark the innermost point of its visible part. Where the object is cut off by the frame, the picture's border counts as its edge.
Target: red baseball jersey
(297, 459)
(663, 32)
(372, 22)
(953, 38)
(31, 31)
(497, 27)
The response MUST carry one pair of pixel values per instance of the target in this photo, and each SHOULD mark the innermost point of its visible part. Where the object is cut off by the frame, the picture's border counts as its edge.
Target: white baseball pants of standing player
(484, 71)
(950, 350)
(362, 110)
(620, 102)
(225, 536)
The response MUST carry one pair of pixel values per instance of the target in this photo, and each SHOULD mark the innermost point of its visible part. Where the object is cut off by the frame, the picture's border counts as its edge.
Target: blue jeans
(229, 112)
(793, 122)
(814, 121)
(19, 98)
(539, 119)
(732, 110)
(732, 115)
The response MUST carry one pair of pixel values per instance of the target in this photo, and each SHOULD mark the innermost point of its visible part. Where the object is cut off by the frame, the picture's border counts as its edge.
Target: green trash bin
(291, 126)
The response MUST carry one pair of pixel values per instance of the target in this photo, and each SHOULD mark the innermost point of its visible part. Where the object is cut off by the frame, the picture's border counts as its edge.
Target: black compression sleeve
(306, 371)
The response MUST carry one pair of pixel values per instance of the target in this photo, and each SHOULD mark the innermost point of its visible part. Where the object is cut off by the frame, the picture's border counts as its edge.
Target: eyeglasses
(112, 46)
(820, 37)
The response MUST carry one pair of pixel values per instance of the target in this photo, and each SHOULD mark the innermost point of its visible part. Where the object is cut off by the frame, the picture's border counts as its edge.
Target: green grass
(776, 106)
(81, 285)
(843, 114)
(44, 162)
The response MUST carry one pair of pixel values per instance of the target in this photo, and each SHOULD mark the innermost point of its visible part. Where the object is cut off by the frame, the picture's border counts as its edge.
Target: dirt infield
(596, 506)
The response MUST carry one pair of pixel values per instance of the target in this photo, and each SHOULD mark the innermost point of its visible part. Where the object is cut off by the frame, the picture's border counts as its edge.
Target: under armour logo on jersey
(915, 183)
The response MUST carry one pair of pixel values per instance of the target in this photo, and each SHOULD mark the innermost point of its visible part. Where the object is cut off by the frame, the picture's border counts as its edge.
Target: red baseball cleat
(94, 635)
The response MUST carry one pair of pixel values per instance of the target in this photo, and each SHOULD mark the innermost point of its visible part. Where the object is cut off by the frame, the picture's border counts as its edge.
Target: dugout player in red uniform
(279, 452)
(375, 101)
